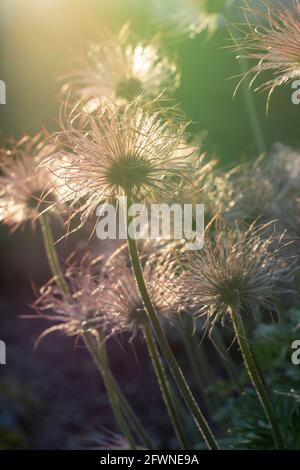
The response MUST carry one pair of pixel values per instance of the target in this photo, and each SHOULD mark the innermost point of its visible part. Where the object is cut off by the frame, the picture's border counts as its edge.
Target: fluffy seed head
(78, 313)
(255, 189)
(123, 304)
(243, 268)
(23, 184)
(121, 71)
(283, 168)
(271, 38)
(102, 298)
(118, 151)
(245, 192)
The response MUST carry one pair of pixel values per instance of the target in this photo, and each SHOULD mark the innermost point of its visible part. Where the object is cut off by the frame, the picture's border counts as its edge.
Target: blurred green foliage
(39, 39)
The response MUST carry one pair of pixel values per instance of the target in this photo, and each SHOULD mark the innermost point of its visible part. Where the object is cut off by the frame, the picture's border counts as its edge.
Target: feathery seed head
(121, 71)
(102, 299)
(128, 151)
(79, 313)
(235, 267)
(263, 187)
(271, 37)
(25, 189)
(255, 189)
(246, 191)
(123, 304)
(283, 167)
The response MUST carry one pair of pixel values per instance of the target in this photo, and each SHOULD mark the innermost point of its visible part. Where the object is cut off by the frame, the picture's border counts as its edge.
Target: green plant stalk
(179, 378)
(254, 374)
(227, 360)
(111, 392)
(252, 111)
(128, 411)
(165, 388)
(52, 255)
(60, 280)
(193, 355)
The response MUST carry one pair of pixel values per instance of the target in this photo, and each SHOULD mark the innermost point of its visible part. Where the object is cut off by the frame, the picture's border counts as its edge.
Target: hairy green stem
(111, 392)
(165, 387)
(226, 358)
(254, 374)
(252, 111)
(52, 255)
(194, 354)
(128, 411)
(179, 378)
(60, 280)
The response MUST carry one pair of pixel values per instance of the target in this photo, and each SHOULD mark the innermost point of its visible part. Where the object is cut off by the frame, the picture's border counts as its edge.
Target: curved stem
(164, 345)
(128, 411)
(199, 362)
(132, 417)
(165, 388)
(111, 392)
(252, 111)
(52, 255)
(254, 374)
(60, 280)
(226, 358)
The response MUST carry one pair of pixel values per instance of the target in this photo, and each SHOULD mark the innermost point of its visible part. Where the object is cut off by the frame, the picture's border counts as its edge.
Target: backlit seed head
(130, 151)
(26, 189)
(123, 304)
(245, 192)
(102, 299)
(283, 168)
(81, 310)
(236, 267)
(271, 38)
(255, 189)
(121, 71)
